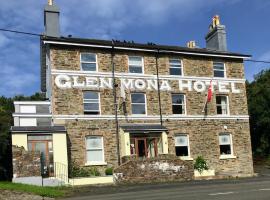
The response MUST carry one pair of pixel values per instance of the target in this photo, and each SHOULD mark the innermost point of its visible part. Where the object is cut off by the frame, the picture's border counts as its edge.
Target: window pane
(181, 151)
(135, 60)
(94, 143)
(181, 140)
(225, 149)
(224, 139)
(137, 98)
(89, 66)
(39, 137)
(135, 69)
(138, 109)
(218, 66)
(88, 57)
(175, 71)
(178, 109)
(219, 110)
(90, 95)
(218, 73)
(175, 62)
(91, 106)
(177, 98)
(95, 156)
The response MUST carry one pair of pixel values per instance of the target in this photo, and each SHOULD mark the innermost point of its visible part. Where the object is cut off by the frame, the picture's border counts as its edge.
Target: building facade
(116, 99)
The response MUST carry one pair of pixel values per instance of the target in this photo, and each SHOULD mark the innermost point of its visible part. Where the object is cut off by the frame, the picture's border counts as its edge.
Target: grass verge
(38, 190)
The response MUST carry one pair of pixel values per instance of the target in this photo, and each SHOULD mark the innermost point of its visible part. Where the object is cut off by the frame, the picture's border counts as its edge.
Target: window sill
(95, 163)
(224, 157)
(185, 158)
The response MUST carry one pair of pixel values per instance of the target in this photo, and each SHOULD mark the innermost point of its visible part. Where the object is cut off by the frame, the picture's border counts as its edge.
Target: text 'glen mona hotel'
(108, 100)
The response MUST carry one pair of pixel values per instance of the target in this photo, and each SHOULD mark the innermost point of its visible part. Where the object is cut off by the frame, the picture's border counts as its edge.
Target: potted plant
(201, 168)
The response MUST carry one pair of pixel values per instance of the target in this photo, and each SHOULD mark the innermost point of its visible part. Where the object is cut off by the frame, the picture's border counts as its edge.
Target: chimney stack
(51, 20)
(216, 37)
(191, 44)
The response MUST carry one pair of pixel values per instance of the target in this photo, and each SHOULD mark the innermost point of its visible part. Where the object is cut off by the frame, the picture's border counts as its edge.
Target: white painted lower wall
(91, 180)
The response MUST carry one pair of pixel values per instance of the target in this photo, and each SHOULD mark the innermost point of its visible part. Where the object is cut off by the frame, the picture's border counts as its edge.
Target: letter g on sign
(62, 81)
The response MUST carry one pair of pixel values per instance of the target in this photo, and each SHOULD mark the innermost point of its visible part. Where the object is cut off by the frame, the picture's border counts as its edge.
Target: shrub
(200, 164)
(77, 171)
(109, 171)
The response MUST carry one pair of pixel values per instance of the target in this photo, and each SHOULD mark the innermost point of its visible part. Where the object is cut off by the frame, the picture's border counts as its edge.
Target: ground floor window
(94, 149)
(225, 144)
(44, 145)
(182, 145)
(146, 146)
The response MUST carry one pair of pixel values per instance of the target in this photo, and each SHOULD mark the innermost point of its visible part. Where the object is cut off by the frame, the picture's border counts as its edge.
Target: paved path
(244, 189)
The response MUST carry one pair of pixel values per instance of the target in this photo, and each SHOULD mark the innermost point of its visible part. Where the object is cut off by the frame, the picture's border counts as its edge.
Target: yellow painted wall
(165, 142)
(124, 143)
(60, 153)
(91, 180)
(20, 140)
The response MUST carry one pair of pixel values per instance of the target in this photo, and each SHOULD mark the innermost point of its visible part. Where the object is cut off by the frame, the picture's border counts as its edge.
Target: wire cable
(20, 32)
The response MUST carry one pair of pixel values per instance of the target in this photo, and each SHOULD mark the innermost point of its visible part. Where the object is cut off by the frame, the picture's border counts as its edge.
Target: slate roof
(37, 129)
(149, 46)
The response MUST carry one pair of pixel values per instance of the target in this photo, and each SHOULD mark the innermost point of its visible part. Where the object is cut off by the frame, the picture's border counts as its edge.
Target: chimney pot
(216, 37)
(50, 2)
(191, 44)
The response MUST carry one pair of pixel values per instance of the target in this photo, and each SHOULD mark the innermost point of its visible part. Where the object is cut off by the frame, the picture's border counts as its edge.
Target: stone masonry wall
(163, 168)
(25, 163)
(203, 134)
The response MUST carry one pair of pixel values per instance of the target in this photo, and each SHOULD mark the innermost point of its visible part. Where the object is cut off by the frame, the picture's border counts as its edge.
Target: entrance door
(141, 147)
(43, 144)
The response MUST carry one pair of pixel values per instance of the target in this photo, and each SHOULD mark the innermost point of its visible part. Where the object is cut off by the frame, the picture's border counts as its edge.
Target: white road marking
(221, 193)
(265, 189)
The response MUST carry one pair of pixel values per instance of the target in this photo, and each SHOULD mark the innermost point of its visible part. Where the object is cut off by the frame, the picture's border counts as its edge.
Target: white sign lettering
(66, 82)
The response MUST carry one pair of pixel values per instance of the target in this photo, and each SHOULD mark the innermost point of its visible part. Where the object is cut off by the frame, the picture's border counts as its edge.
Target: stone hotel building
(110, 100)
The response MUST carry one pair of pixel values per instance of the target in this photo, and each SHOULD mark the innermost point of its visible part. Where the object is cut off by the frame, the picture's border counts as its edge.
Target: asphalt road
(244, 189)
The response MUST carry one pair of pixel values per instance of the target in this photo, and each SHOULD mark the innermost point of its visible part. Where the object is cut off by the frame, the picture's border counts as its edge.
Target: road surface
(243, 189)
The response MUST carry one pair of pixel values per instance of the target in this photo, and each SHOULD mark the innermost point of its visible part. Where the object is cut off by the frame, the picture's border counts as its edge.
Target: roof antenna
(50, 2)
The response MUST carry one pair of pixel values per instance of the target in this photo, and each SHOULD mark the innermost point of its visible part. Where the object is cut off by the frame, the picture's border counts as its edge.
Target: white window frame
(99, 106)
(227, 107)
(142, 64)
(185, 104)
(225, 76)
(226, 156)
(88, 62)
(188, 157)
(181, 63)
(145, 103)
(102, 148)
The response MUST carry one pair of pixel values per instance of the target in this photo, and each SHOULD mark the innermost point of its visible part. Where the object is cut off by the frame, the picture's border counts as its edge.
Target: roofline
(156, 50)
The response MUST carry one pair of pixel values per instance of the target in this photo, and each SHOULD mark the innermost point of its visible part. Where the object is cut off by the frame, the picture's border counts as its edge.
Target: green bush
(109, 171)
(200, 164)
(77, 171)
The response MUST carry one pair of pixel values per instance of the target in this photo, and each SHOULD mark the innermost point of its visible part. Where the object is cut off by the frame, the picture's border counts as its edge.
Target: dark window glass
(88, 57)
(175, 67)
(219, 69)
(91, 103)
(88, 62)
(175, 71)
(137, 98)
(218, 73)
(135, 69)
(225, 149)
(138, 103)
(88, 66)
(135, 64)
(222, 105)
(181, 151)
(138, 109)
(178, 104)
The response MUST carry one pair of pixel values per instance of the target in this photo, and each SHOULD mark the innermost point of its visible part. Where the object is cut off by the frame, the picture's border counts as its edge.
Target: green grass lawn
(38, 190)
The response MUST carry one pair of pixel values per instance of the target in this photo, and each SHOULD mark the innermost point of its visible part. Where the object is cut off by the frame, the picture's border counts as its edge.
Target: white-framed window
(225, 145)
(89, 62)
(176, 67)
(94, 150)
(138, 103)
(222, 103)
(219, 69)
(178, 104)
(135, 64)
(182, 145)
(91, 102)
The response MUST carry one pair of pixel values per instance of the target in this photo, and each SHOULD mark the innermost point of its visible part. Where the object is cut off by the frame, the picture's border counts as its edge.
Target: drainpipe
(115, 104)
(159, 99)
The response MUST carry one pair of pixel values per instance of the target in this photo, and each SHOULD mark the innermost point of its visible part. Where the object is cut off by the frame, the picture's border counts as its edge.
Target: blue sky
(171, 22)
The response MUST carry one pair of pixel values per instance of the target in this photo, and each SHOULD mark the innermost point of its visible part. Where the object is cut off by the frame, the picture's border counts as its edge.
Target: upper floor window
(176, 67)
(91, 102)
(88, 62)
(178, 104)
(94, 150)
(225, 144)
(138, 103)
(181, 145)
(219, 69)
(135, 64)
(222, 105)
